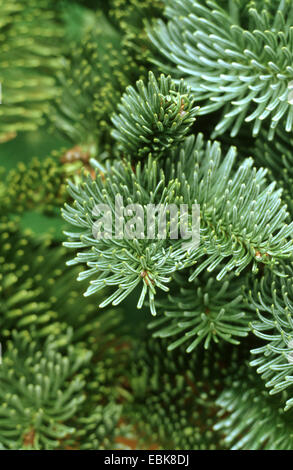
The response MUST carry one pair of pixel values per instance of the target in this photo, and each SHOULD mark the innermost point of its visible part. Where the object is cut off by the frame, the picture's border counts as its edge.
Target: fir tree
(113, 337)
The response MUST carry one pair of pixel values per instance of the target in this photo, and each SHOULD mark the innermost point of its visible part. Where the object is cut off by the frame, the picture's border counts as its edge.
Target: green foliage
(94, 75)
(110, 55)
(278, 157)
(235, 58)
(34, 284)
(242, 220)
(39, 301)
(153, 119)
(30, 39)
(131, 16)
(37, 293)
(204, 310)
(213, 370)
(250, 418)
(172, 396)
(272, 297)
(41, 389)
(98, 431)
(124, 262)
(40, 184)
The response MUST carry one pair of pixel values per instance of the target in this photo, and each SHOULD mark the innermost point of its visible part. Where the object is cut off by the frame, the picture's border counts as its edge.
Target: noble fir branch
(98, 421)
(130, 17)
(272, 298)
(214, 370)
(41, 389)
(278, 157)
(235, 59)
(36, 290)
(243, 221)
(153, 118)
(30, 38)
(250, 418)
(100, 429)
(121, 255)
(40, 185)
(95, 73)
(204, 310)
(172, 395)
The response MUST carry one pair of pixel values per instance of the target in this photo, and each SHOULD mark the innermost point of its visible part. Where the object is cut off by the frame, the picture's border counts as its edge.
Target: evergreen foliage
(153, 119)
(277, 156)
(40, 392)
(124, 263)
(272, 300)
(97, 70)
(30, 57)
(121, 102)
(41, 184)
(28, 283)
(250, 419)
(172, 397)
(203, 310)
(95, 73)
(242, 220)
(130, 17)
(234, 56)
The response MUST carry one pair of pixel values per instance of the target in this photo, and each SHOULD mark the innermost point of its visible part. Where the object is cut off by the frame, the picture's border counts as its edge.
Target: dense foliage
(112, 337)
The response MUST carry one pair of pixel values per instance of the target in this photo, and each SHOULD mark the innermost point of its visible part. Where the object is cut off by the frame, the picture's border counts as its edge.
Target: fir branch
(243, 222)
(278, 157)
(30, 39)
(202, 311)
(40, 391)
(123, 261)
(272, 298)
(172, 399)
(250, 418)
(94, 75)
(240, 61)
(153, 118)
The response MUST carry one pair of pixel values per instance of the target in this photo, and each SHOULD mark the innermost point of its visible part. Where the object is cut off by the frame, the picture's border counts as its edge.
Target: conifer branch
(272, 299)
(40, 391)
(250, 419)
(202, 311)
(238, 59)
(30, 37)
(243, 222)
(153, 118)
